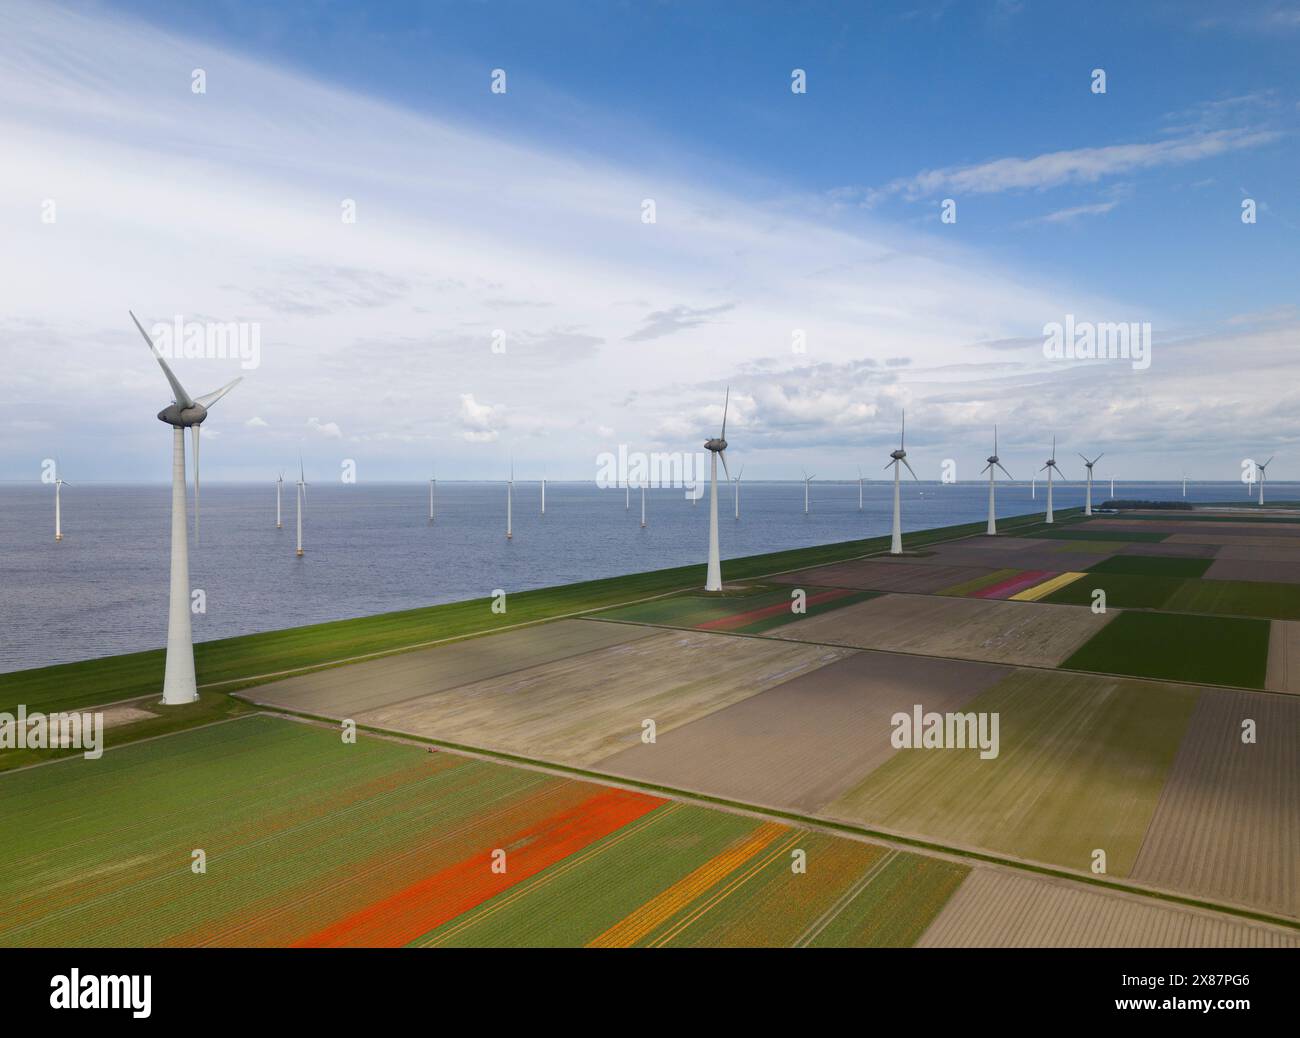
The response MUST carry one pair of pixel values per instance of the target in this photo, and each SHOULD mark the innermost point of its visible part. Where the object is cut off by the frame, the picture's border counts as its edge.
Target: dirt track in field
(800, 745)
(987, 630)
(877, 575)
(1283, 656)
(346, 691)
(1227, 824)
(579, 709)
(996, 908)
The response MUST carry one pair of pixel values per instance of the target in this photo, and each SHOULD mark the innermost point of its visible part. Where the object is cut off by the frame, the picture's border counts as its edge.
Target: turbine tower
(1112, 488)
(859, 488)
(1050, 468)
(1263, 475)
(510, 502)
(543, 491)
(279, 484)
(737, 496)
(1184, 484)
(896, 458)
(1087, 501)
(994, 463)
(717, 448)
(433, 486)
(642, 505)
(185, 412)
(59, 483)
(302, 496)
(806, 480)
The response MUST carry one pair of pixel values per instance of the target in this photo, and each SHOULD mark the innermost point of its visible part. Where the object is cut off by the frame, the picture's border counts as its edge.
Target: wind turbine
(1263, 475)
(185, 412)
(433, 486)
(1033, 486)
(1184, 484)
(738, 475)
(896, 458)
(59, 483)
(859, 488)
(1050, 467)
(994, 463)
(717, 448)
(1087, 501)
(1112, 488)
(543, 491)
(510, 501)
(302, 496)
(627, 494)
(806, 480)
(279, 484)
(642, 505)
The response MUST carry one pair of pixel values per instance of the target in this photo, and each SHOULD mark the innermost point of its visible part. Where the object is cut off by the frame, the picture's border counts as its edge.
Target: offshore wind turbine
(859, 488)
(1184, 484)
(642, 505)
(510, 501)
(543, 491)
(279, 484)
(994, 463)
(717, 448)
(302, 496)
(185, 412)
(1087, 501)
(1112, 488)
(1050, 467)
(737, 495)
(1263, 475)
(59, 483)
(433, 486)
(896, 458)
(806, 480)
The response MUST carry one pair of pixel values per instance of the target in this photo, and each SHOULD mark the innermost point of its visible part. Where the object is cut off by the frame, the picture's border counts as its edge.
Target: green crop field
(1083, 532)
(1218, 650)
(1152, 566)
(1123, 590)
(695, 609)
(1238, 598)
(1081, 764)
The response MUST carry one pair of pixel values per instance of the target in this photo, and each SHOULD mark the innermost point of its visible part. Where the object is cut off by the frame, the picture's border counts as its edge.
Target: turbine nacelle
(183, 417)
(898, 455)
(717, 445)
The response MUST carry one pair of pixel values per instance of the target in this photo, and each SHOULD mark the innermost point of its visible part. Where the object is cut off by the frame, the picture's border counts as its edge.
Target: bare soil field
(959, 628)
(1177, 551)
(346, 691)
(998, 908)
(1242, 539)
(1254, 570)
(1254, 553)
(1283, 656)
(585, 707)
(1227, 824)
(803, 743)
(878, 575)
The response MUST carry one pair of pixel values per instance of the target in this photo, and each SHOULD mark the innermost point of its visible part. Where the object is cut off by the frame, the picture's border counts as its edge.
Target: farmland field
(1123, 591)
(1081, 765)
(1152, 566)
(960, 628)
(740, 611)
(1238, 598)
(995, 908)
(882, 575)
(310, 841)
(1217, 650)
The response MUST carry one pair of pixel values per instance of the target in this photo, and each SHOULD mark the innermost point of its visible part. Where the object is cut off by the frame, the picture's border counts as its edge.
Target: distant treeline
(1175, 506)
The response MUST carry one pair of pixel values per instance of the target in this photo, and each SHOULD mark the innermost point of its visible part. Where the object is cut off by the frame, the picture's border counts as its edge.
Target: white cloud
(327, 430)
(477, 421)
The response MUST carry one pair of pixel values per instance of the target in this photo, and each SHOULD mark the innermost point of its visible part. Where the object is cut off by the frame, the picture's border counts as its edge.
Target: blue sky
(777, 211)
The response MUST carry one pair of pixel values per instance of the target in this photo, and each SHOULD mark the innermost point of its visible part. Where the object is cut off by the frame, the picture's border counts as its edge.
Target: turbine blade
(182, 398)
(725, 403)
(722, 456)
(1098, 457)
(902, 429)
(215, 395)
(909, 469)
(995, 438)
(1269, 462)
(985, 469)
(891, 461)
(1004, 469)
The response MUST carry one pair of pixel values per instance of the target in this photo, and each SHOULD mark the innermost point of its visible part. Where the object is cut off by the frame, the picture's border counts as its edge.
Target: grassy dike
(230, 664)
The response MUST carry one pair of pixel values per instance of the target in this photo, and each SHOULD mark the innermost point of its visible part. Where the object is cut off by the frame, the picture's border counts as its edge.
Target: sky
(503, 293)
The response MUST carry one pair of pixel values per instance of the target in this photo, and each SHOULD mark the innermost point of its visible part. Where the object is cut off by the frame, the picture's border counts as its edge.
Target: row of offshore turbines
(189, 412)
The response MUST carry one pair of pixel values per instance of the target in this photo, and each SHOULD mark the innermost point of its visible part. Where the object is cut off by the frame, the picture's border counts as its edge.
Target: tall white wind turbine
(510, 503)
(897, 458)
(1050, 468)
(737, 496)
(643, 506)
(433, 486)
(543, 491)
(859, 488)
(1112, 488)
(806, 480)
(717, 448)
(1184, 484)
(1087, 501)
(994, 463)
(302, 496)
(59, 484)
(1263, 475)
(185, 412)
(279, 485)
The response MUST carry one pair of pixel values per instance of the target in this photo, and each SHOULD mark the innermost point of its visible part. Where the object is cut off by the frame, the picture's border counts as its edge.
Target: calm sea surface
(370, 548)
